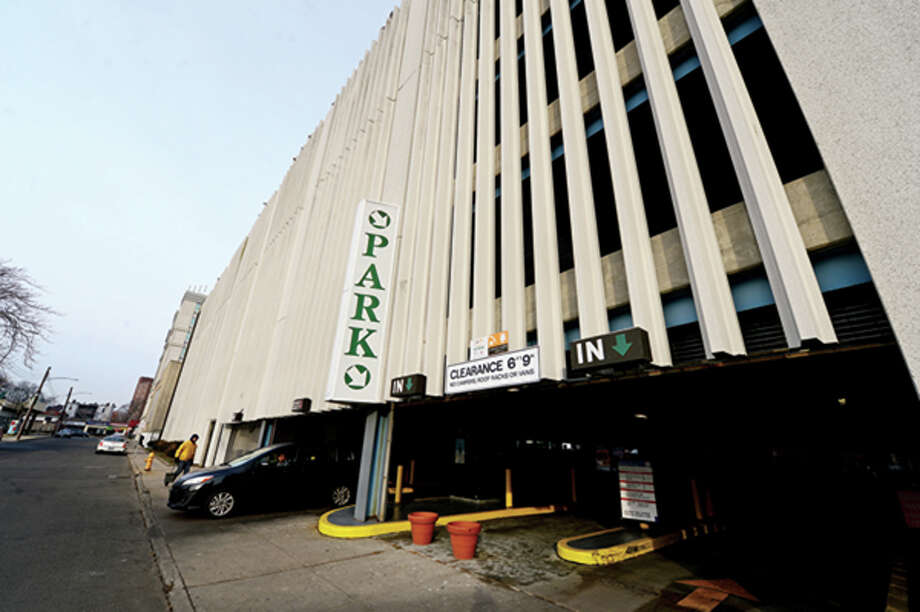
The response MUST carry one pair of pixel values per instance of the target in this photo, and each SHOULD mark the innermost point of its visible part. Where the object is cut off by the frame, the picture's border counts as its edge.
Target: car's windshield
(246, 457)
(115, 438)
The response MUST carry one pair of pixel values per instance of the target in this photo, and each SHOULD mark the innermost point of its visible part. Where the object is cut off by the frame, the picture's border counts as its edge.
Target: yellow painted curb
(327, 528)
(627, 550)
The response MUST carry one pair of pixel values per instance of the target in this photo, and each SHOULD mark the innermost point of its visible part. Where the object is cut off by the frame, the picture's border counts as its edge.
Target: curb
(328, 528)
(177, 596)
(627, 550)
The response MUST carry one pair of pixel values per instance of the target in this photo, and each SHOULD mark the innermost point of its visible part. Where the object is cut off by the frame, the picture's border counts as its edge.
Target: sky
(138, 141)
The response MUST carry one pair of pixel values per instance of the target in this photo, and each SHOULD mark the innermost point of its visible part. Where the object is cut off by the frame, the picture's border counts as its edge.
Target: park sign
(620, 347)
(356, 374)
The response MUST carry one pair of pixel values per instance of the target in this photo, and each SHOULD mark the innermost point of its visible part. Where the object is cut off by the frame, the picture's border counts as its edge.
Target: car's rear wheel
(220, 504)
(341, 495)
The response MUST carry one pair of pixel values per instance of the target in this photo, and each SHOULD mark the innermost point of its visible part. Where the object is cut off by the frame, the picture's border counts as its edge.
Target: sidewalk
(8, 438)
(281, 562)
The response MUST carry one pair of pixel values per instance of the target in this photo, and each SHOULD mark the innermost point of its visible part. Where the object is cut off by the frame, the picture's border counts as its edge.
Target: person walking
(185, 454)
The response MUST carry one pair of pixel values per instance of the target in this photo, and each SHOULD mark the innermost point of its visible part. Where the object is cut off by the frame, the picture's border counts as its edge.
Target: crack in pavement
(289, 569)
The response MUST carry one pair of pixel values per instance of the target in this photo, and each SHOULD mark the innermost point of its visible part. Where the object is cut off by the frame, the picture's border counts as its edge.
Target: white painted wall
(399, 132)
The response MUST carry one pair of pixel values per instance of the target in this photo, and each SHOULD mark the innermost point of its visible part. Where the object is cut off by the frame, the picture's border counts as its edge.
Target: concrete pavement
(279, 561)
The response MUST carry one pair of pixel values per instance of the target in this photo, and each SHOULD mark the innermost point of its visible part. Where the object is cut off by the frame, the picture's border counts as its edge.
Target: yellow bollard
(509, 502)
(399, 477)
(149, 463)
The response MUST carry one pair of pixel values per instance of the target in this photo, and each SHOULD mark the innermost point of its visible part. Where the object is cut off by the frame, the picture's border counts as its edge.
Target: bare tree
(23, 319)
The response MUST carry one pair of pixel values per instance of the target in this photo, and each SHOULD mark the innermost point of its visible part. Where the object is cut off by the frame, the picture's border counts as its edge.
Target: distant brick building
(174, 349)
(141, 391)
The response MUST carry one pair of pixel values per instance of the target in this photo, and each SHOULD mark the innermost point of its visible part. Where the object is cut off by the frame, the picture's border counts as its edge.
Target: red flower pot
(463, 537)
(422, 526)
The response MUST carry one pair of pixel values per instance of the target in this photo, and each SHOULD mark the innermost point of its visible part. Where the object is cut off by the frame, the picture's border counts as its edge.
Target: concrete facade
(174, 349)
(862, 56)
(401, 132)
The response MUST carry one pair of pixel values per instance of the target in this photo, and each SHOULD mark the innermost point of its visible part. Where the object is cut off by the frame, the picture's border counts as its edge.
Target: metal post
(63, 410)
(399, 480)
(367, 458)
(696, 500)
(574, 492)
(389, 421)
(25, 421)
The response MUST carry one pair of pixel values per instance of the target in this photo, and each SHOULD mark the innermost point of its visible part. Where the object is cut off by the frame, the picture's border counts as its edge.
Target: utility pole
(63, 410)
(25, 421)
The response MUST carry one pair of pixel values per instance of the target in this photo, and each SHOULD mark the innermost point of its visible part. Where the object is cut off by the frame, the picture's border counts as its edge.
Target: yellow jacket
(186, 451)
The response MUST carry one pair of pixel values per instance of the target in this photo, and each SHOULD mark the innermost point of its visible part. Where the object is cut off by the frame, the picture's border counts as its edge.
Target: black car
(285, 472)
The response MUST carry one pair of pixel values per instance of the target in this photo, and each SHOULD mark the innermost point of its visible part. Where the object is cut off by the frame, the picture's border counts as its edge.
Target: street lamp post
(25, 422)
(63, 410)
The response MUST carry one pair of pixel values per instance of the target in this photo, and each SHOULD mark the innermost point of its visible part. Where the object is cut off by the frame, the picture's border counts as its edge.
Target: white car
(116, 443)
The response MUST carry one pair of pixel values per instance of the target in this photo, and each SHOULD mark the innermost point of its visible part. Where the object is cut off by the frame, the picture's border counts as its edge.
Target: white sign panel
(504, 370)
(479, 348)
(357, 374)
(637, 491)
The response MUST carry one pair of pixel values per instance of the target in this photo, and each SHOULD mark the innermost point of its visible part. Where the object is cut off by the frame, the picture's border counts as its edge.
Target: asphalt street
(72, 535)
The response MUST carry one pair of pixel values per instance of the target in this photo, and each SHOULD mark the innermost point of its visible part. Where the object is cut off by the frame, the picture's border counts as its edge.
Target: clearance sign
(356, 373)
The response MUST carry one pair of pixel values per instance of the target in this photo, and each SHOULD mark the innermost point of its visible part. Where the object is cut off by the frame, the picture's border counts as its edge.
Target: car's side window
(278, 459)
(307, 456)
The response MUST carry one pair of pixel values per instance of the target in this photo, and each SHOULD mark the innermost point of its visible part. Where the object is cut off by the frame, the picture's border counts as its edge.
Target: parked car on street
(116, 443)
(285, 472)
(69, 432)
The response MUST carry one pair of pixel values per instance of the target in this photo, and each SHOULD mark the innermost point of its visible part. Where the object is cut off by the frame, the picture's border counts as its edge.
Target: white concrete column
(484, 255)
(387, 111)
(798, 297)
(512, 207)
(427, 167)
(547, 286)
(412, 207)
(589, 278)
(282, 326)
(458, 325)
(436, 323)
(641, 280)
(711, 294)
(399, 152)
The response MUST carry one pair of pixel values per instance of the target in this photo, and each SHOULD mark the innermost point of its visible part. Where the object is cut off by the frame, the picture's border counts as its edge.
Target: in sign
(626, 346)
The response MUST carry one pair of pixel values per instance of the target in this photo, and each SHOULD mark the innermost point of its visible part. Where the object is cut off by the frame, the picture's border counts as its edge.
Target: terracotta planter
(422, 526)
(463, 537)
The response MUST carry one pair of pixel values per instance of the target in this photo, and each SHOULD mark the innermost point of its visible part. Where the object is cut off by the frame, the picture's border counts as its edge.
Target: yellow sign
(498, 340)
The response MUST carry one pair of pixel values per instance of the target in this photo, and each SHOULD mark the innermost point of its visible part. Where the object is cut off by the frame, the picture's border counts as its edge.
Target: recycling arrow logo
(379, 219)
(357, 377)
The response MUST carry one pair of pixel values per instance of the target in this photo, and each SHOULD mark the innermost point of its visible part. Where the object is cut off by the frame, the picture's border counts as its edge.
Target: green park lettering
(370, 275)
(374, 241)
(366, 305)
(360, 342)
